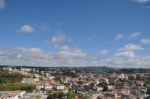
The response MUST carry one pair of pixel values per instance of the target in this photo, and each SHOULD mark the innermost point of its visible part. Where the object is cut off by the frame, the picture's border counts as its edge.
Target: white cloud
(127, 52)
(119, 36)
(35, 56)
(145, 41)
(130, 47)
(104, 52)
(31, 53)
(25, 56)
(1, 52)
(68, 56)
(126, 55)
(67, 51)
(59, 38)
(2, 4)
(26, 29)
(126, 58)
(130, 37)
(141, 1)
(136, 62)
(134, 35)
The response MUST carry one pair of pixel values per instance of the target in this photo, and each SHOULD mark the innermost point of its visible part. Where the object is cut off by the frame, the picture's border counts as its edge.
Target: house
(99, 89)
(106, 80)
(11, 94)
(48, 87)
(7, 69)
(110, 87)
(26, 69)
(59, 87)
(27, 80)
(36, 75)
(36, 79)
(51, 77)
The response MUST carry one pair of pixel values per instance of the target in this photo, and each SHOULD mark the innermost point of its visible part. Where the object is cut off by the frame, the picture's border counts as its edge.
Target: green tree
(70, 95)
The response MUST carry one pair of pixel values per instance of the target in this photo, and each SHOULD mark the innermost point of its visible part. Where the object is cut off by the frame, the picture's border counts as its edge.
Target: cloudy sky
(112, 33)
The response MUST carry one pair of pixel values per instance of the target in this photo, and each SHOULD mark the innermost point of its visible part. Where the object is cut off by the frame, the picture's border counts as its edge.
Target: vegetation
(61, 95)
(58, 95)
(70, 95)
(17, 86)
(11, 82)
(59, 78)
(147, 83)
(70, 74)
(104, 85)
(6, 77)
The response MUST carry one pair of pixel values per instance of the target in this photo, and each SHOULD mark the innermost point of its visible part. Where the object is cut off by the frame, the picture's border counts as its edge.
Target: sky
(113, 33)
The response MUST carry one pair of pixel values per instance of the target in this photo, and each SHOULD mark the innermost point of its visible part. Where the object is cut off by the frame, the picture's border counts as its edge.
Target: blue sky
(75, 32)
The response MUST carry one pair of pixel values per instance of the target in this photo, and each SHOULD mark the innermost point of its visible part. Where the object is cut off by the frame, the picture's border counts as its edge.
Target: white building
(59, 87)
(7, 69)
(37, 75)
(106, 80)
(26, 69)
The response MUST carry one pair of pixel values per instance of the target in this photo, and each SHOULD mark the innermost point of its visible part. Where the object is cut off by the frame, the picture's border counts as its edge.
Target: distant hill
(88, 69)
